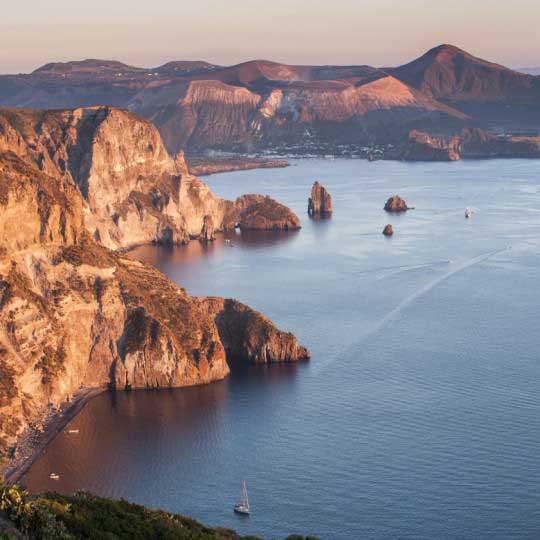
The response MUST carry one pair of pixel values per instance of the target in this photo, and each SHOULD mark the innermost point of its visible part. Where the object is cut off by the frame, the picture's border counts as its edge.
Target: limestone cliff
(133, 191)
(75, 314)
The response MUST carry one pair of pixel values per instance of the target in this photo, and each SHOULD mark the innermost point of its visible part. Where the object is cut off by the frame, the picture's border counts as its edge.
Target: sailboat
(243, 507)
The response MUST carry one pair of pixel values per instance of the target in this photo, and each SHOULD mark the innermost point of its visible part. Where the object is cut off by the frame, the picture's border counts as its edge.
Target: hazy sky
(151, 32)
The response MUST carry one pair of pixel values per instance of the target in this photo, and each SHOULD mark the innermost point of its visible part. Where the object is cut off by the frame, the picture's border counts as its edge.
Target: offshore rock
(320, 202)
(388, 230)
(207, 231)
(258, 212)
(396, 204)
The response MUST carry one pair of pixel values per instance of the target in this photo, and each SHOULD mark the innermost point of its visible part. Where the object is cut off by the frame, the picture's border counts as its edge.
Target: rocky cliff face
(75, 314)
(248, 335)
(133, 191)
(282, 113)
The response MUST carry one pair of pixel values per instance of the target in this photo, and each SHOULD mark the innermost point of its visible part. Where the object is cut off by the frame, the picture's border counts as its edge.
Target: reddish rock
(396, 204)
(469, 143)
(320, 202)
(388, 230)
(257, 212)
(134, 327)
(207, 231)
(420, 146)
(247, 335)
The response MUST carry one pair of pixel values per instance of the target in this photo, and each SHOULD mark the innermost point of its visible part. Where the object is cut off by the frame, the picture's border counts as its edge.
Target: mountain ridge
(260, 105)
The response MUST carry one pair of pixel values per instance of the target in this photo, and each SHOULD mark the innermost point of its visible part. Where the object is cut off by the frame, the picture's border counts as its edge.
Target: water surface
(419, 414)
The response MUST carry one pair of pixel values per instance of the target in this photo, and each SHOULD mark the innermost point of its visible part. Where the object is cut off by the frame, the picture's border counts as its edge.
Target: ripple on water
(418, 416)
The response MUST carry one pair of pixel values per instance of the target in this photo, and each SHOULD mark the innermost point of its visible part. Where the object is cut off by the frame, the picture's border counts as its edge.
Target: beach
(34, 442)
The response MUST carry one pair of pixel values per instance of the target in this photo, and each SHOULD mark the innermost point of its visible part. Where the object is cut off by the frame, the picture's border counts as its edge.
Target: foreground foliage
(54, 516)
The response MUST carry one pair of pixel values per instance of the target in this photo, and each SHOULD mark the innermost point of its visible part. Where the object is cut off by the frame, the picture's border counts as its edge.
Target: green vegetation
(51, 363)
(84, 516)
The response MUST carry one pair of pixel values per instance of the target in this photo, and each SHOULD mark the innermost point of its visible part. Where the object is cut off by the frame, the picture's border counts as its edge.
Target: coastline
(33, 443)
(206, 166)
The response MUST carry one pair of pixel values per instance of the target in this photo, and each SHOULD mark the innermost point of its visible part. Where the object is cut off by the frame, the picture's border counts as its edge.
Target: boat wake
(389, 318)
(455, 268)
(402, 267)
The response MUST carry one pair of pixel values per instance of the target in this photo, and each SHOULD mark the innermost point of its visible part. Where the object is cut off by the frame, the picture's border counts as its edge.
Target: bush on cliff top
(54, 516)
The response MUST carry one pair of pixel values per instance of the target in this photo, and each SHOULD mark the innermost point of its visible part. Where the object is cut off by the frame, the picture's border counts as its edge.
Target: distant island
(426, 109)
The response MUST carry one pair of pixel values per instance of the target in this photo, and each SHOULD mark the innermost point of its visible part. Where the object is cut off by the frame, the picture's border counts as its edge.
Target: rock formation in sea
(258, 212)
(207, 231)
(388, 230)
(396, 204)
(320, 202)
(74, 313)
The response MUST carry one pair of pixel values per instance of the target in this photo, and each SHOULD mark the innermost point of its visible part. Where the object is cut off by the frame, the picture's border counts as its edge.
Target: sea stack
(396, 204)
(207, 230)
(388, 230)
(320, 202)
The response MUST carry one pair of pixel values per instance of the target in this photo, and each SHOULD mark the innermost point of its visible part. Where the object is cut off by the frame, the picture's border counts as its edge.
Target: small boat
(243, 507)
(54, 476)
(73, 431)
(468, 212)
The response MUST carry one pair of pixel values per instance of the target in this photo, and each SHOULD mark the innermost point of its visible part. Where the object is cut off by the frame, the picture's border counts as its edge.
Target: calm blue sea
(418, 416)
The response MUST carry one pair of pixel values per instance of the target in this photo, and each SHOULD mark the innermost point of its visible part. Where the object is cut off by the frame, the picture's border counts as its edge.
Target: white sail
(245, 499)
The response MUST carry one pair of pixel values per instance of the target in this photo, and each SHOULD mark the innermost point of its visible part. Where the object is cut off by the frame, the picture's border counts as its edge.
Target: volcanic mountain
(260, 105)
(447, 72)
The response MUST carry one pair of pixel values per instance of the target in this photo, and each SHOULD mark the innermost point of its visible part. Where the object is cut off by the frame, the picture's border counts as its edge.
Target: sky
(377, 32)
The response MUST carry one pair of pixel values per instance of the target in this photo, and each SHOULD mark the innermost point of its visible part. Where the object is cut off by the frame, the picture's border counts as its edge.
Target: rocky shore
(35, 439)
(91, 183)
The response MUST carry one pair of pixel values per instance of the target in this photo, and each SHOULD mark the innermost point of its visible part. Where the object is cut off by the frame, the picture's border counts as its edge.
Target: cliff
(248, 335)
(74, 314)
(133, 191)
